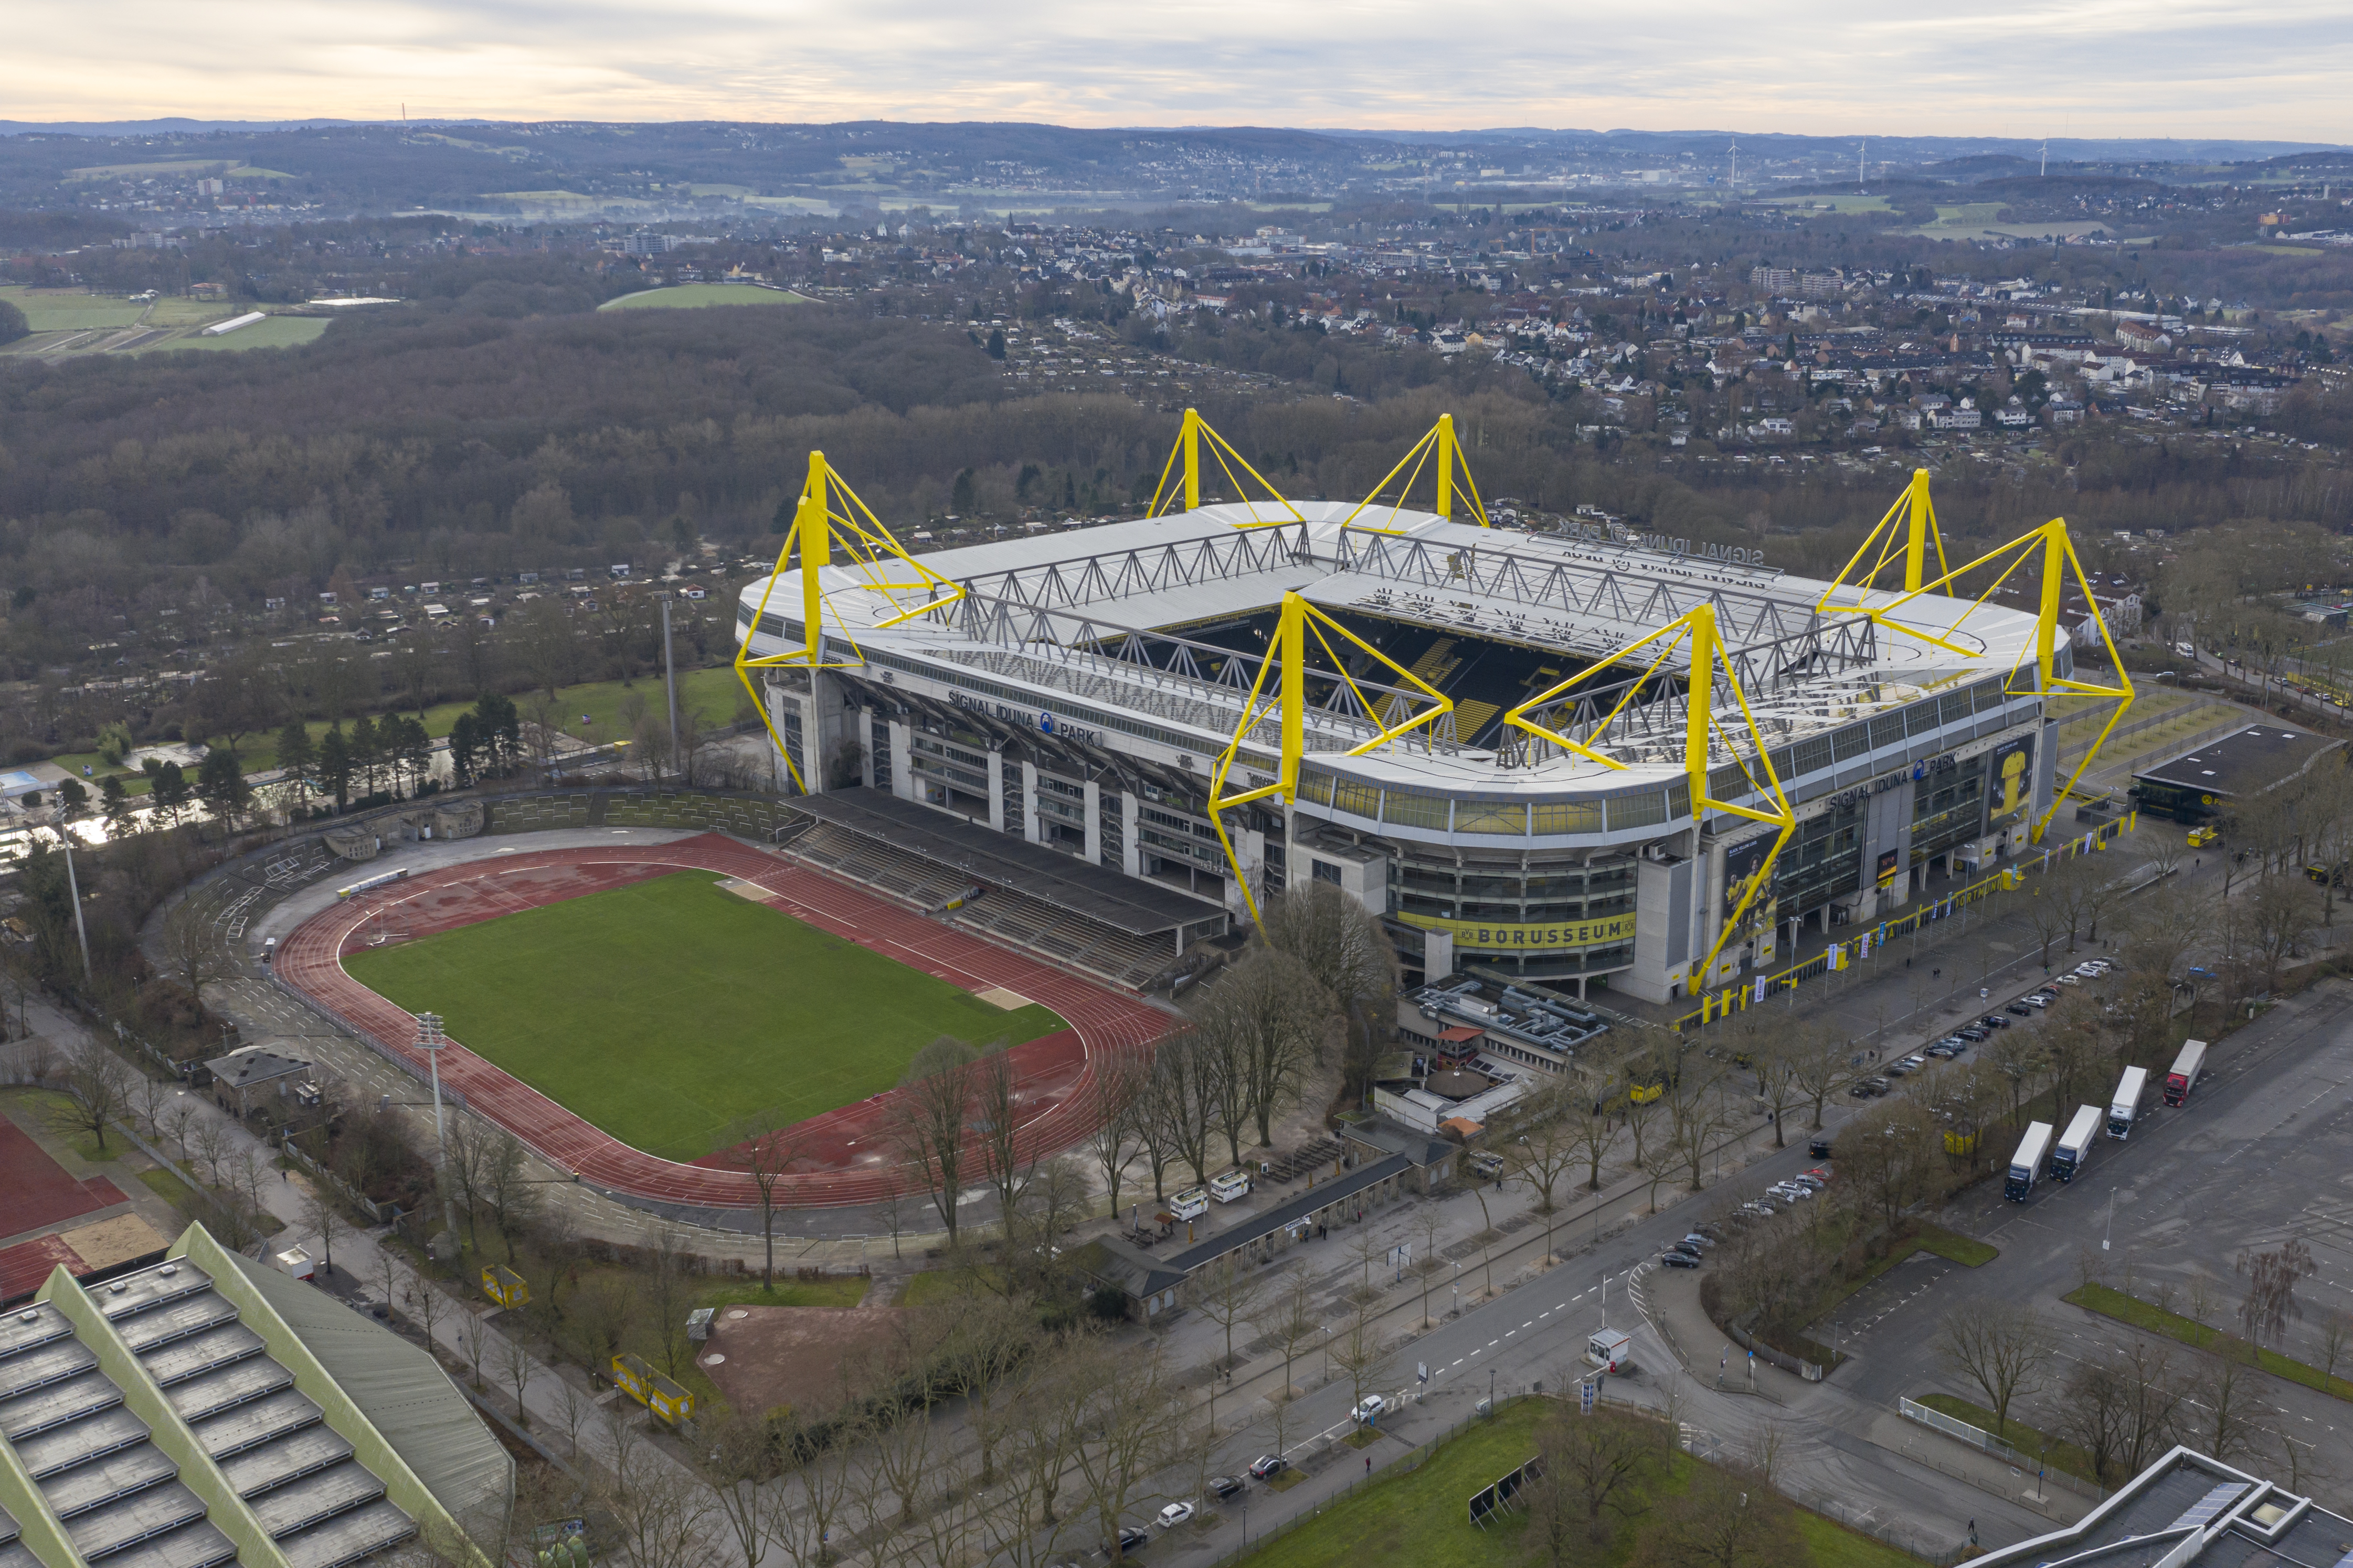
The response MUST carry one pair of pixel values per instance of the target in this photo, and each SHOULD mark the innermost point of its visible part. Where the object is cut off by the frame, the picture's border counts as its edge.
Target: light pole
(2109, 1229)
(73, 890)
(429, 1040)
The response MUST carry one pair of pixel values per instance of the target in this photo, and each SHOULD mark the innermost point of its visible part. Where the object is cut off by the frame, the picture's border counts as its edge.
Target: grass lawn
(70, 309)
(2017, 1433)
(688, 296)
(842, 1292)
(169, 1187)
(277, 332)
(674, 1014)
(1961, 1250)
(1420, 1517)
(2110, 1303)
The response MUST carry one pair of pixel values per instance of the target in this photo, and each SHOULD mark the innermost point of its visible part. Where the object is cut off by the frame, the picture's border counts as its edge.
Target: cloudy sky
(2274, 68)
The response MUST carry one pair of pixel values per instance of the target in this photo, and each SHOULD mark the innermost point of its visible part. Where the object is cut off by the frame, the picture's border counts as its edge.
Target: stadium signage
(1489, 936)
(1028, 718)
(1730, 554)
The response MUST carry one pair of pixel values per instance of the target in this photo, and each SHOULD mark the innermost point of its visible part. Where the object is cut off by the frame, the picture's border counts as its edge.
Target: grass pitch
(677, 1016)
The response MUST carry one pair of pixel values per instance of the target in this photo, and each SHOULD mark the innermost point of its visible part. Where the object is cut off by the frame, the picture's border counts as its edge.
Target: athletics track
(844, 1156)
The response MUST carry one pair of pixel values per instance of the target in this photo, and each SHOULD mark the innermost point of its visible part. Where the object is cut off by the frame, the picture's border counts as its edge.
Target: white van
(1190, 1204)
(1232, 1187)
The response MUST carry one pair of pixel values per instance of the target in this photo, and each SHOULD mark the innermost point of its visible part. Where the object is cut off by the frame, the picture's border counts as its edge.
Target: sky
(2265, 69)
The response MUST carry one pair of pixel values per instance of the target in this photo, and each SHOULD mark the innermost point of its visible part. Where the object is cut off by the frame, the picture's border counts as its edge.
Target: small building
(2201, 785)
(248, 1075)
(2188, 1511)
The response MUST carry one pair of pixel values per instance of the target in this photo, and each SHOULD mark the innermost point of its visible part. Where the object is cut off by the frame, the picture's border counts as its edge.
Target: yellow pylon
(1180, 477)
(834, 530)
(1697, 629)
(1437, 443)
(1295, 623)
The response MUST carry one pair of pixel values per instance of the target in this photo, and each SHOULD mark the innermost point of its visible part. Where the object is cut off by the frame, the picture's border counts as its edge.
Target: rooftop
(2245, 762)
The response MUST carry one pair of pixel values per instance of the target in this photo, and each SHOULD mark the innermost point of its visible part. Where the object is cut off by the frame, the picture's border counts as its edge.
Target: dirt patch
(793, 1356)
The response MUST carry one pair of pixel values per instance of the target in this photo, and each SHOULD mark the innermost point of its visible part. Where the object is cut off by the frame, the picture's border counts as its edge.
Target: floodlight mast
(429, 1039)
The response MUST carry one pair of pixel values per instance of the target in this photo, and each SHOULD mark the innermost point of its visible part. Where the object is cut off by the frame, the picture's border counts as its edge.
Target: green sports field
(677, 1016)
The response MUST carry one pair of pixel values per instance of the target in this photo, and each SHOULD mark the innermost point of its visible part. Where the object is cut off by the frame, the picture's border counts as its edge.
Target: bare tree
(1175, 1108)
(1136, 1414)
(1726, 1518)
(425, 1303)
(192, 952)
(509, 1189)
(97, 1085)
(1361, 1355)
(929, 1117)
(1821, 1064)
(1229, 1292)
(1120, 1074)
(996, 1121)
(1287, 1317)
(1594, 1465)
(2002, 1348)
(1341, 944)
(990, 1342)
(2270, 1289)
(668, 1286)
(514, 1365)
(1698, 1111)
(1541, 1156)
(2096, 1414)
(661, 1513)
(2228, 1411)
(765, 1157)
(1261, 1025)
(2336, 1335)
(741, 1460)
(319, 1211)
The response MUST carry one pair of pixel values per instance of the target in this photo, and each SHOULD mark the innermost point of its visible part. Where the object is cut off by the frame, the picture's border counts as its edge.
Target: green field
(1420, 1517)
(675, 1015)
(68, 309)
(689, 296)
(277, 332)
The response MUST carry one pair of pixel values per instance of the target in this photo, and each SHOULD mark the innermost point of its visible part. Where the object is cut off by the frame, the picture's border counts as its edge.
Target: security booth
(1610, 1349)
(504, 1286)
(669, 1402)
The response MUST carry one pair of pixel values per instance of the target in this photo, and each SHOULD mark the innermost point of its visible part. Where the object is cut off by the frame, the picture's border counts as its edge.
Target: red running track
(844, 1154)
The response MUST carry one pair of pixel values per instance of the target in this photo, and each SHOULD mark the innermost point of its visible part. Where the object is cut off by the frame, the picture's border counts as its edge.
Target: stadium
(1583, 761)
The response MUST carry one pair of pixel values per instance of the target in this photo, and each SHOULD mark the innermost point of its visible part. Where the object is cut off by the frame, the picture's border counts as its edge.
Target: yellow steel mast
(1697, 630)
(1298, 626)
(1180, 476)
(831, 514)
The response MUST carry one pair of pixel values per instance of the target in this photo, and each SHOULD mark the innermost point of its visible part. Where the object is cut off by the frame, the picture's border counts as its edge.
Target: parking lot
(2262, 1152)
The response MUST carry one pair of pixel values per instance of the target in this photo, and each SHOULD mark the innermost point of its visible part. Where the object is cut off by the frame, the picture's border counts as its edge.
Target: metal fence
(2008, 1453)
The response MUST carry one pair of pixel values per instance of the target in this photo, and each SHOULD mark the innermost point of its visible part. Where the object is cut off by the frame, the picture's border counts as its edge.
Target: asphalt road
(2261, 1153)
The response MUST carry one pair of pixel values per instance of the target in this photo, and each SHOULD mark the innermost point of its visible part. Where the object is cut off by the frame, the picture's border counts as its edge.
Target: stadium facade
(1490, 731)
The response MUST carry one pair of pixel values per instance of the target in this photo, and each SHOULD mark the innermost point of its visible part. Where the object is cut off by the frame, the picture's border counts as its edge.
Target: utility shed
(2201, 785)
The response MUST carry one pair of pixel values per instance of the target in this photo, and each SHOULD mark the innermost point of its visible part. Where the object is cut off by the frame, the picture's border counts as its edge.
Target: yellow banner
(1491, 936)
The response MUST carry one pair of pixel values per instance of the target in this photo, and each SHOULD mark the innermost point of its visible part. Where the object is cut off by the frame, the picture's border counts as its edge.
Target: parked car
(1822, 1173)
(1807, 1179)
(1226, 1486)
(1176, 1514)
(1993, 1021)
(1678, 1260)
(2068, 979)
(2021, 1009)
(2037, 1000)
(1946, 1051)
(1266, 1465)
(1762, 1211)
(1796, 1192)
(1696, 1242)
(1820, 1148)
(1372, 1405)
(1132, 1539)
(1710, 1231)
(1972, 1034)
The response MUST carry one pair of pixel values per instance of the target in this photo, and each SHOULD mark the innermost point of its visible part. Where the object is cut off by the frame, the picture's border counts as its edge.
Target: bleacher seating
(1000, 915)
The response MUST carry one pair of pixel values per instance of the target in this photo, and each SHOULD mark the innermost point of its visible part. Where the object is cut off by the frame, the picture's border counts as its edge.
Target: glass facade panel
(1508, 817)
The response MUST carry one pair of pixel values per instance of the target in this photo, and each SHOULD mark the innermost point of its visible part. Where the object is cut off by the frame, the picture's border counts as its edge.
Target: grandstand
(1569, 760)
(1022, 895)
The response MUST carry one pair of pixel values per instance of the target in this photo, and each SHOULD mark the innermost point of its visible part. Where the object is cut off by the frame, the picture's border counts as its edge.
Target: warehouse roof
(2245, 762)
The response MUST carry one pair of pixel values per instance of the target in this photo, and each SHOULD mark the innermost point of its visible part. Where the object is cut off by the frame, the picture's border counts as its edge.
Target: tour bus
(2027, 1163)
(2185, 1068)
